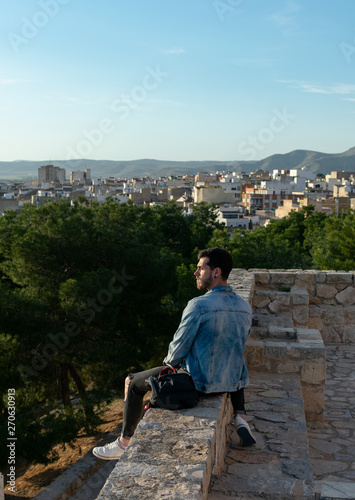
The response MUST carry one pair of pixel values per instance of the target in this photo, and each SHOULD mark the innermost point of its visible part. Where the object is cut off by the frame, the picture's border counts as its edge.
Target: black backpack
(173, 390)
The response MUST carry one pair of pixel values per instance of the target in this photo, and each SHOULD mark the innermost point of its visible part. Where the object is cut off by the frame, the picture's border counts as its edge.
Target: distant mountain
(310, 160)
(299, 159)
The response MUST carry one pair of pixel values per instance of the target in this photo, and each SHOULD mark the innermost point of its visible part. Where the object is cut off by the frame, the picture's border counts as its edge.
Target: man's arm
(185, 335)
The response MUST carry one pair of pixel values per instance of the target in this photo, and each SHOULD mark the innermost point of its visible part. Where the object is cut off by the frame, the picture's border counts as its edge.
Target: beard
(205, 283)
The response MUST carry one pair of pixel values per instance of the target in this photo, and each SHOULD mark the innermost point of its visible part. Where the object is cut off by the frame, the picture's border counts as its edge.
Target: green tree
(282, 244)
(334, 244)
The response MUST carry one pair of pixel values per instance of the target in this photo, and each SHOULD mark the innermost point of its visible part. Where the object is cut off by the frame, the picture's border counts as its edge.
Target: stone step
(278, 466)
(334, 490)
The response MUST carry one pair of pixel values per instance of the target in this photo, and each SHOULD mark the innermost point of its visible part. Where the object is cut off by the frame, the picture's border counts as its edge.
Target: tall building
(84, 176)
(50, 173)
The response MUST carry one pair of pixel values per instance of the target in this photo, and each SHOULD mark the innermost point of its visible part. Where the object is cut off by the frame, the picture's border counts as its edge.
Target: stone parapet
(243, 283)
(173, 453)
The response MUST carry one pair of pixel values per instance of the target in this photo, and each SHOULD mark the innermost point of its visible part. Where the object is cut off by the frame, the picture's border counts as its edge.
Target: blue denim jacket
(209, 342)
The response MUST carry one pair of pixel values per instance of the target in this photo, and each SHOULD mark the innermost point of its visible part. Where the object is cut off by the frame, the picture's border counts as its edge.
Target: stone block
(349, 314)
(300, 316)
(346, 297)
(333, 315)
(321, 277)
(288, 367)
(326, 291)
(334, 490)
(275, 350)
(316, 323)
(313, 373)
(299, 468)
(330, 302)
(339, 277)
(314, 402)
(282, 278)
(280, 333)
(316, 311)
(281, 303)
(330, 335)
(306, 334)
(349, 333)
(306, 281)
(262, 278)
(299, 296)
(253, 355)
(261, 299)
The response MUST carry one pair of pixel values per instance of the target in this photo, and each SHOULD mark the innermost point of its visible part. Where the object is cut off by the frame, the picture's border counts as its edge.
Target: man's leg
(238, 402)
(136, 386)
(242, 427)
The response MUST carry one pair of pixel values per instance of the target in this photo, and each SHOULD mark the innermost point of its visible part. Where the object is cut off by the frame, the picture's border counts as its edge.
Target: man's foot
(244, 432)
(111, 451)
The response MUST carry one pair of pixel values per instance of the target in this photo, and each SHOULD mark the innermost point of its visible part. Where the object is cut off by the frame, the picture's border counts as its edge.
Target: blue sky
(175, 79)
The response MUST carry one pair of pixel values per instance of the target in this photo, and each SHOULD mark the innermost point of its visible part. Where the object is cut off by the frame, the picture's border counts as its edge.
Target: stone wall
(323, 300)
(173, 454)
(291, 351)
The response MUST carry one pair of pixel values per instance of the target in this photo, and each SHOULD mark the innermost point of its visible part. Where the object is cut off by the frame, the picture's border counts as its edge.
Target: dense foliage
(305, 240)
(91, 293)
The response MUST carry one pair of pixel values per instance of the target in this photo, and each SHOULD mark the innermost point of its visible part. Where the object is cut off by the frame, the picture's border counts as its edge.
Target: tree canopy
(304, 240)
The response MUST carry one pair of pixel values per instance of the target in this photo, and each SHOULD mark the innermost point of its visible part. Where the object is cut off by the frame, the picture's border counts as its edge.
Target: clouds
(286, 16)
(174, 50)
(6, 81)
(325, 89)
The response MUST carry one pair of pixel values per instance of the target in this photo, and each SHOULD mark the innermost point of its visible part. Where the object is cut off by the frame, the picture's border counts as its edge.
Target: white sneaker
(111, 451)
(244, 432)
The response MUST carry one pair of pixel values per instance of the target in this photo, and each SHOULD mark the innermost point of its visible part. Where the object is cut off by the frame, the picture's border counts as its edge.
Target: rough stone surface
(326, 291)
(278, 466)
(334, 490)
(302, 351)
(346, 297)
(339, 278)
(172, 454)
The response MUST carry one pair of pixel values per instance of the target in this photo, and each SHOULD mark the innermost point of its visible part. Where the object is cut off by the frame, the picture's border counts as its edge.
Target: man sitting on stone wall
(209, 344)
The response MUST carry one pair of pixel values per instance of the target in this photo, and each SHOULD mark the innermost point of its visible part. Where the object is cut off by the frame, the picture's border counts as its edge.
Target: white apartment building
(234, 218)
(213, 194)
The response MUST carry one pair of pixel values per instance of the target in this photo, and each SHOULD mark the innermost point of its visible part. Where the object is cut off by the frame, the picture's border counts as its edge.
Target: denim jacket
(210, 340)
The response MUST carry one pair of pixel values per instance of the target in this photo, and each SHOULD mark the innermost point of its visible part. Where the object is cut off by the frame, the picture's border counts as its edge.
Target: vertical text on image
(11, 445)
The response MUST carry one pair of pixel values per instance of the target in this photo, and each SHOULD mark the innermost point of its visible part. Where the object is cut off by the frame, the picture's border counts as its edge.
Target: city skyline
(219, 79)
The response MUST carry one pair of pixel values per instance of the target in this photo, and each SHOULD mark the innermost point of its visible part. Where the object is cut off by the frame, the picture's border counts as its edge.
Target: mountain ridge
(315, 161)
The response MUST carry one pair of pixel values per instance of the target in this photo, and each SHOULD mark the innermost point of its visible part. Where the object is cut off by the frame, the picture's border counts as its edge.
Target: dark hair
(218, 258)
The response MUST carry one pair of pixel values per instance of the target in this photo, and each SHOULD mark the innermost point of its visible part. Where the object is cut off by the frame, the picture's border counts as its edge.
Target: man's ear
(217, 273)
